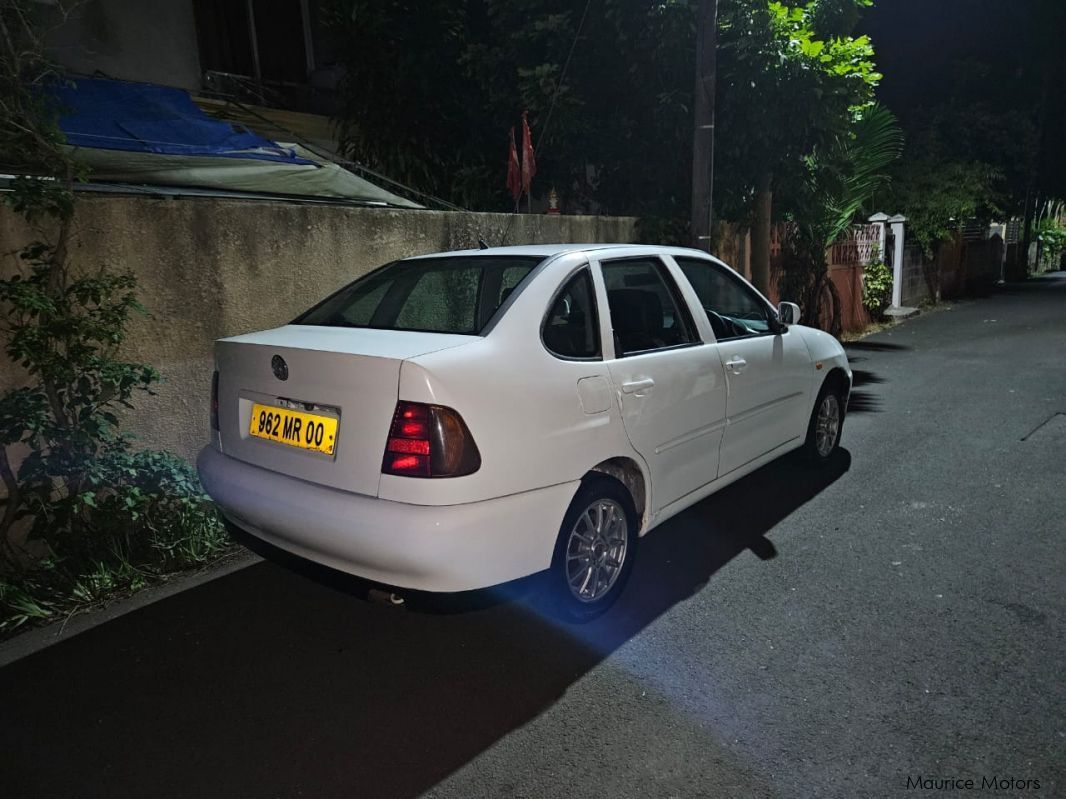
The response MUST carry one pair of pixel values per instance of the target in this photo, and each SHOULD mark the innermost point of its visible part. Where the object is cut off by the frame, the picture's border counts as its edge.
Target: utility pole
(703, 133)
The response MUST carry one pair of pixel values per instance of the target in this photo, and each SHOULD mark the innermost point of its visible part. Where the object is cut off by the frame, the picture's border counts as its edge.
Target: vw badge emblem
(281, 369)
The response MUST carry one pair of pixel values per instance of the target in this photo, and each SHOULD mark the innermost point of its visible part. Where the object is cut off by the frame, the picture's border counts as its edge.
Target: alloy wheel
(596, 550)
(827, 425)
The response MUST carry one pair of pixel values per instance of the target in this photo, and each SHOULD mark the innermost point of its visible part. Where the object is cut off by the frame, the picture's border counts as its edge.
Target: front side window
(456, 294)
(571, 328)
(733, 309)
(647, 312)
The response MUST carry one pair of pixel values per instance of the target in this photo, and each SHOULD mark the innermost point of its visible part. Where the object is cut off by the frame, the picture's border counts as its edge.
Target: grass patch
(869, 330)
(144, 519)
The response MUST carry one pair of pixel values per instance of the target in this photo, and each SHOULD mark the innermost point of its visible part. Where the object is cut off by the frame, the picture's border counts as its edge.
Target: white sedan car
(460, 420)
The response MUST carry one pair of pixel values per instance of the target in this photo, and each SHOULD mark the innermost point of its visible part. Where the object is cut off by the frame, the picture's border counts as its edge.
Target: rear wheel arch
(627, 472)
(595, 548)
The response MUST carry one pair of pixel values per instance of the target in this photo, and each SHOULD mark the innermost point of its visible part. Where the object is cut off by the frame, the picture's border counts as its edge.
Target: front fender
(825, 349)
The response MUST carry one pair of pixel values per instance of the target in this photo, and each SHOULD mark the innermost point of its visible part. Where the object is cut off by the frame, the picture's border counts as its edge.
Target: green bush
(141, 516)
(1052, 238)
(82, 516)
(876, 288)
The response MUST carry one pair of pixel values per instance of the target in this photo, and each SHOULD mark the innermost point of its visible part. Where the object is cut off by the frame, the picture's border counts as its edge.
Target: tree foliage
(432, 89)
(790, 83)
(980, 106)
(840, 181)
(964, 162)
(63, 329)
(856, 168)
(80, 494)
(1051, 234)
(938, 196)
(611, 106)
(797, 121)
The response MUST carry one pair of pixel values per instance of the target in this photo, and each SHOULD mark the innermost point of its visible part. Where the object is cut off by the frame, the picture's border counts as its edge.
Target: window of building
(266, 40)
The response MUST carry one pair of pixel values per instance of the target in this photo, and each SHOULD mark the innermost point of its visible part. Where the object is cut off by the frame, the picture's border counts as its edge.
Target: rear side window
(437, 295)
(571, 329)
(647, 311)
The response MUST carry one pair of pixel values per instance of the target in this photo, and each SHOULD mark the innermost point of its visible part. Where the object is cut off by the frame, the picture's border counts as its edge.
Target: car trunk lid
(347, 377)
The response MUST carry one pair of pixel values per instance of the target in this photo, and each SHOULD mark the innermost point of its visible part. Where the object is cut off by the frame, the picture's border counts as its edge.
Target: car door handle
(633, 386)
(736, 365)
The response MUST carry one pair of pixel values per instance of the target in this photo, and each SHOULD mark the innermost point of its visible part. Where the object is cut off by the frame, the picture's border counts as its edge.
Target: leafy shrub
(876, 287)
(141, 516)
(82, 515)
(1052, 238)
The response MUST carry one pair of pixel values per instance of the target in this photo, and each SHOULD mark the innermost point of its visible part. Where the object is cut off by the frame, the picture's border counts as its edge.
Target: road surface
(898, 616)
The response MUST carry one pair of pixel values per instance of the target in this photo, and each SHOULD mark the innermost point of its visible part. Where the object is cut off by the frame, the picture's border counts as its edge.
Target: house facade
(270, 53)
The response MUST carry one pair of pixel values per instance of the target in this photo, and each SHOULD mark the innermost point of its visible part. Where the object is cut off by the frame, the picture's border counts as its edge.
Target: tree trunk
(703, 118)
(1019, 266)
(1034, 238)
(760, 234)
(824, 305)
(11, 508)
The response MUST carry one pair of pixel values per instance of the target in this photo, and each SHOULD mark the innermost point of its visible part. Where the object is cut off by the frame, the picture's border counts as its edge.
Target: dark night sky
(1001, 61)
(922, 46)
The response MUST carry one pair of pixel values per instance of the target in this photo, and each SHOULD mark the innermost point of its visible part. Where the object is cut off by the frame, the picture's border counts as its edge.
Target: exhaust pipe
(380, 597)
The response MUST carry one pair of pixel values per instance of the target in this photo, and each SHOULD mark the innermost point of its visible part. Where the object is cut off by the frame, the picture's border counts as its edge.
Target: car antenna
(482, 244)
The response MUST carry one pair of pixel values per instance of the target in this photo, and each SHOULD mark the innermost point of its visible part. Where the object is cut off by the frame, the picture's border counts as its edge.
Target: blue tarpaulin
(143, 117)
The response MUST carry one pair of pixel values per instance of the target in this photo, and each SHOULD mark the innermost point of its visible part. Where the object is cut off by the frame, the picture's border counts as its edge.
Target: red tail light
(429, 441)
(214, 402)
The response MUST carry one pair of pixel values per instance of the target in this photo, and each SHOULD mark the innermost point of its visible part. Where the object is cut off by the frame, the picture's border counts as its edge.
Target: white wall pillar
(879, 219)
(897, 259)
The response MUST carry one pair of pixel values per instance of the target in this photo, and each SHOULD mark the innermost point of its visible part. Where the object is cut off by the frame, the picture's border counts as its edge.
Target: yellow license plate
(295, 428)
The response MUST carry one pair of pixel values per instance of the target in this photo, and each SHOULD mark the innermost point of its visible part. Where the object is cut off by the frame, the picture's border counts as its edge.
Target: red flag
(514, 176)
(529, 164)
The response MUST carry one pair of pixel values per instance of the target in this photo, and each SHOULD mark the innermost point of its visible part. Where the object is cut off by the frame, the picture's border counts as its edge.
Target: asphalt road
(830, 634)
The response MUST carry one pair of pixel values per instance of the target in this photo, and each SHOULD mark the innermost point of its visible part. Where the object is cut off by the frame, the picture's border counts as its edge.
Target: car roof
(548, 250)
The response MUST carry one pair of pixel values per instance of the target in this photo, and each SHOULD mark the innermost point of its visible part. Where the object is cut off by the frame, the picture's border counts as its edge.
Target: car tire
(825, 426)
(599, 529)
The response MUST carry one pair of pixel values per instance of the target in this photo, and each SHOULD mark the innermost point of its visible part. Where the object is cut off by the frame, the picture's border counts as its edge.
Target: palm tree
(842, 180)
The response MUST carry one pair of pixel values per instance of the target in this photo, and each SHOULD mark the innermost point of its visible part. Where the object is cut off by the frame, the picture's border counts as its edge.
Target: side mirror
(789, 313)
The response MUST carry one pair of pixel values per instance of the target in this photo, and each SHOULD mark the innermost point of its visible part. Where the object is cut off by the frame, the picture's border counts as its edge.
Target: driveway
(898, 615)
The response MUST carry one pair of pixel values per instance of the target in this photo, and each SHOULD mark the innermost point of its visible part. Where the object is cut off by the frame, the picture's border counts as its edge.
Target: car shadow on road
(864, 377)
(273, 682)
(864, 402)
(876, 346)
(860, 400)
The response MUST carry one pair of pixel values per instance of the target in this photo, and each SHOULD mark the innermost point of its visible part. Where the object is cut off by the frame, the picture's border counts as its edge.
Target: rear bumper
(423, 547)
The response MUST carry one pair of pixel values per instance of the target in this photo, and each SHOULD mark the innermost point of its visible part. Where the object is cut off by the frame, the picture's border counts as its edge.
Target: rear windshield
(457, 294)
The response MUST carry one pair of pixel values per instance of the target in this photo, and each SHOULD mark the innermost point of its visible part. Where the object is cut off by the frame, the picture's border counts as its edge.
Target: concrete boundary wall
(918, 274)
(209, 268)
